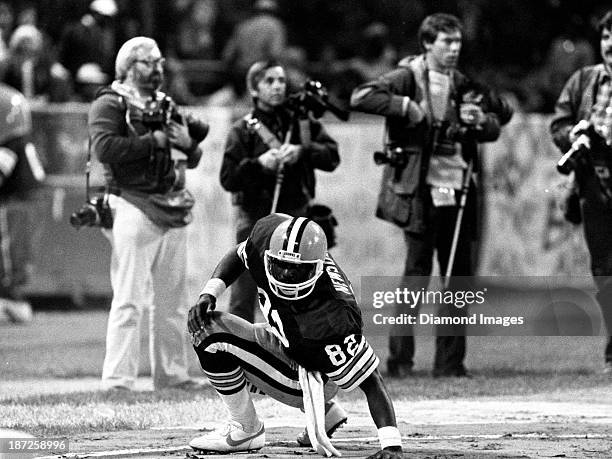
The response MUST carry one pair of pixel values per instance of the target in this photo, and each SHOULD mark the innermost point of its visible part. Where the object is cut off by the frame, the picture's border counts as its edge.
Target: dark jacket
(130, 156)
(385, 96)
(575, 103)
(253, 187)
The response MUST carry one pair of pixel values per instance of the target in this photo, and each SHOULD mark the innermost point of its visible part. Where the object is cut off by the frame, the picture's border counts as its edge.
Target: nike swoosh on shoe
(235, 443)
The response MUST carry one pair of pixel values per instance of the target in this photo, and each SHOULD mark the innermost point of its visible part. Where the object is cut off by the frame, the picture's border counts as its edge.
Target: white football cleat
(335, 417)
(230, 438)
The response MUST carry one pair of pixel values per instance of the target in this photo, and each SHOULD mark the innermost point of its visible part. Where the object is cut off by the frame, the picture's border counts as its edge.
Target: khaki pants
(148, 270)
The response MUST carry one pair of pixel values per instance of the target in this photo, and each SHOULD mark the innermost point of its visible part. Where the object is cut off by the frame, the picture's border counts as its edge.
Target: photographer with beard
(582, 127)
(145, 145)
(434, 122)
(269, 143)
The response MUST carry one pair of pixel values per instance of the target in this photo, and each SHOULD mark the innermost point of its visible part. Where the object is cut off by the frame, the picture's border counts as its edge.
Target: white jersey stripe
(357, 369)
(363, 374)
(352, 365)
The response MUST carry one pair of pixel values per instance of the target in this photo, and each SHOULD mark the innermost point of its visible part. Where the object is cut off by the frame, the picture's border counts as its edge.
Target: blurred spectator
(91, 39)
(568, 52)
(6, 27)
(88, 80)
(21, 173)
(28, 14)
(31, 69)
(260, 38)
(296, 64)
(194, 30)
(377, 55)
(177, 85)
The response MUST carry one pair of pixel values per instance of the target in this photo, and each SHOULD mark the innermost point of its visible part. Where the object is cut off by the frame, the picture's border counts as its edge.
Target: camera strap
(262, 131)
(107, 188)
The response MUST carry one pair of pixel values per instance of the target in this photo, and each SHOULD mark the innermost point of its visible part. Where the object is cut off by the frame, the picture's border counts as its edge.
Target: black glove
(200, 313)
(390, 452)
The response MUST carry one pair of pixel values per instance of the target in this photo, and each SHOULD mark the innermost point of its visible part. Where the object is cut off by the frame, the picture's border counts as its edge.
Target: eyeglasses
(151, 62)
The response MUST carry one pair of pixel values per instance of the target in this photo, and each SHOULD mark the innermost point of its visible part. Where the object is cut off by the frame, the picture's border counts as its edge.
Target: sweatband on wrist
(214, 287)
(389, 436)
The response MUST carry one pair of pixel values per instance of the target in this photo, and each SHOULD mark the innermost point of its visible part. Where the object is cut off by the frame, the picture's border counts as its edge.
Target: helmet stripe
(288, 233)
(294, 234)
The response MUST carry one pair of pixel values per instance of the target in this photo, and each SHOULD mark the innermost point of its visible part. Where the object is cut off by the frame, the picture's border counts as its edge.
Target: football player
(313, 322)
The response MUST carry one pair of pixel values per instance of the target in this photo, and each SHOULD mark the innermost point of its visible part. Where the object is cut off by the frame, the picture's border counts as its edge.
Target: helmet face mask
(294, 261)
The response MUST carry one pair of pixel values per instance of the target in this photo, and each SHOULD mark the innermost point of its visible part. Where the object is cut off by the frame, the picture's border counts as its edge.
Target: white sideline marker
(406, 440)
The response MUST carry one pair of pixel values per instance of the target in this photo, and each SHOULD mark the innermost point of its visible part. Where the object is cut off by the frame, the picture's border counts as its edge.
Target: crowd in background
(525, 48)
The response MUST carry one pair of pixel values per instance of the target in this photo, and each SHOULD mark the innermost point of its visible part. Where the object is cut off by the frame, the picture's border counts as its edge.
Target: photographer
(434, 121)
(145, 145)
(582, 127)
(271, 145)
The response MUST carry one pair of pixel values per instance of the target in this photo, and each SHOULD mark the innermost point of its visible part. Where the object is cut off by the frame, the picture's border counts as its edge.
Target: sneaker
(335, 417)
(230, 438)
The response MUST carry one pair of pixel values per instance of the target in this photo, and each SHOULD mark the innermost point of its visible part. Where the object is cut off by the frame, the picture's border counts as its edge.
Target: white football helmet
(294, 260)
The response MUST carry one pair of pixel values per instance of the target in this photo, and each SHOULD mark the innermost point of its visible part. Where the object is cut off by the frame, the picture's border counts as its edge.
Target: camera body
(393, 156)
(313, 98)
(95, 212)
(157, 112)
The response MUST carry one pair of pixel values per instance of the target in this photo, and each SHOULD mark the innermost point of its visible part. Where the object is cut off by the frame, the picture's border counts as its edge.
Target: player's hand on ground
(390, 452)
(200, 313)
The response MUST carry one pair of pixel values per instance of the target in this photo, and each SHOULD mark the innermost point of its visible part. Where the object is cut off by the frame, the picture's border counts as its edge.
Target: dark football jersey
(321, 332)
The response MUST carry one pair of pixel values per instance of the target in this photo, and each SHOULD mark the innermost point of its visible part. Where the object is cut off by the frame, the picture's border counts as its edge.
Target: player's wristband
(389, 436)
(214, 287)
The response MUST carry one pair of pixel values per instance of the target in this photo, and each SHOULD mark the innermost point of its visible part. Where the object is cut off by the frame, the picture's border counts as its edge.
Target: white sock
(241, 409)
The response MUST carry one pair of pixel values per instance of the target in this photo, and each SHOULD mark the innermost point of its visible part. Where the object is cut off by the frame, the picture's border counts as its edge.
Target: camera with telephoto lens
(95, 212)
(313, 98)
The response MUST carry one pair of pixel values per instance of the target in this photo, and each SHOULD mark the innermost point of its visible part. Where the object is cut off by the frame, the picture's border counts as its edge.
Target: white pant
(148, 269)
